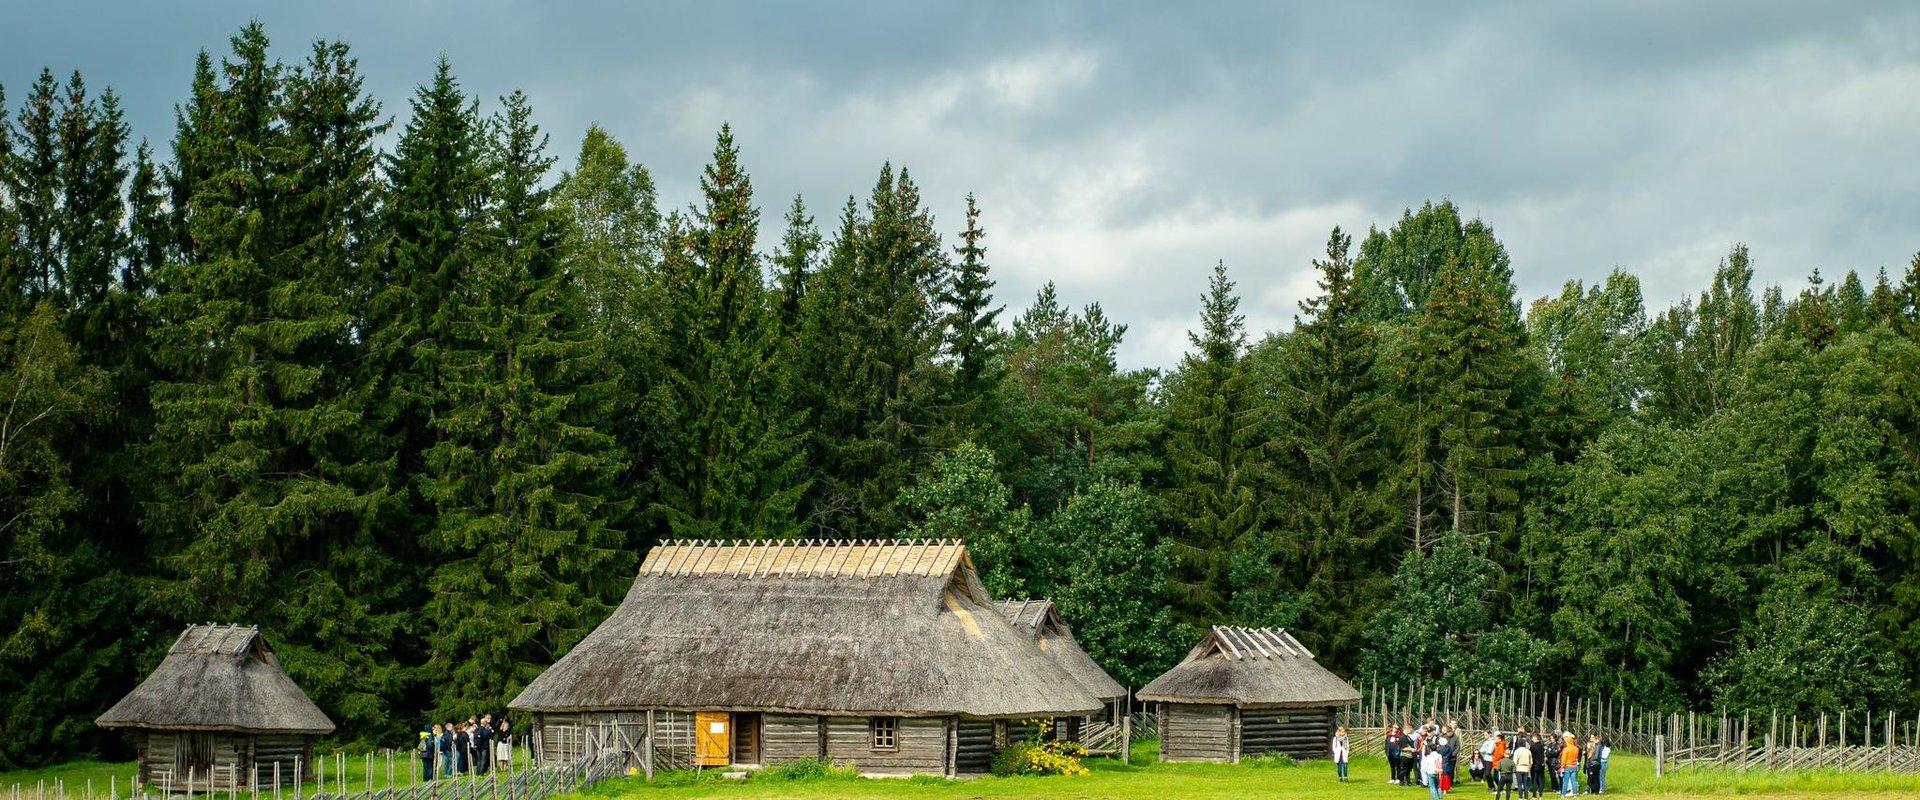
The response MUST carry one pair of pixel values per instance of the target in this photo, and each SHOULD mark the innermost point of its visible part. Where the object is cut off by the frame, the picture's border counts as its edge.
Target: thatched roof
(1250, 667)
(218, 678)
(855, 628)
(1042, 621)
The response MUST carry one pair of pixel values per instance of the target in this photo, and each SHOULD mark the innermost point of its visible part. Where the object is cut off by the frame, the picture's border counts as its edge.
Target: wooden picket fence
(1475, 711)
(522, 780)
(1848, 741)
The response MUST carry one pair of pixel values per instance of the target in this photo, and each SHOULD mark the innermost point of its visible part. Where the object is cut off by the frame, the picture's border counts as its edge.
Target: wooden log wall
(1192, 732)
(921, 746)
(1299, 732)
(974, 750)
(786, 738)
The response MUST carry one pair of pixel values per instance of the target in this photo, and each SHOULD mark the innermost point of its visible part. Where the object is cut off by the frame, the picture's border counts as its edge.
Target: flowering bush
(1038, 757)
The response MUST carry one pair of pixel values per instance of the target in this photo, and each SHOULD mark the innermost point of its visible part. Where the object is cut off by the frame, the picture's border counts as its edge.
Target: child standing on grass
(1341, 748)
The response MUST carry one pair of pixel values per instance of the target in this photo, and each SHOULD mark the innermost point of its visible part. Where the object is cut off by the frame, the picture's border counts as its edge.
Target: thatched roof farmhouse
(884, 655)
(218, 709)
(1246, 691)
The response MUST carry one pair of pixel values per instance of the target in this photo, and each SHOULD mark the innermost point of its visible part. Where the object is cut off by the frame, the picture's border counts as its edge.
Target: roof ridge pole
(738, 565)
(925, 556)
(1221, 635)
(1259, 645)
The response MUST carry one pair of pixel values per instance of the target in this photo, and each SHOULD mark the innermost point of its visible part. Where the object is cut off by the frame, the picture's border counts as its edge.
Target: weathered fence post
(1659, 754)
(649, 745)
(1126, 739)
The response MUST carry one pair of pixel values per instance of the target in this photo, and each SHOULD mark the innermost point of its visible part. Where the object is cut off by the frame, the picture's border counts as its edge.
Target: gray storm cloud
(1119, 150)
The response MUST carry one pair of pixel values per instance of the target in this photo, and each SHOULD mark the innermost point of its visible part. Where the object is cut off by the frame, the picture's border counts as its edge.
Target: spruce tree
(794, 267)
(520, 476)
(350, 606)
(259, 489)
(432, 230)
(972, 332)
(1217, 447)
(727, 448)
(1334, 530)
(195, 141)
(34, 183)
(875, 404)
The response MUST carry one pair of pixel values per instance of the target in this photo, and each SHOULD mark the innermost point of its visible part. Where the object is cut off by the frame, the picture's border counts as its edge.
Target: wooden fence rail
(1848, 741)
(521, 779)
(1475, 711)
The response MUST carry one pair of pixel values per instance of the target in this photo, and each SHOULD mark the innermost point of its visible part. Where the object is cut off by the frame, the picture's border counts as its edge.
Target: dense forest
(414, 396)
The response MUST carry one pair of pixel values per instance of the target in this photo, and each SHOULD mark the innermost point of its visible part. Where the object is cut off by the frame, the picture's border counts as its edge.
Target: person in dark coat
(445, 745)
(1449, 747)
(1543, 755)
(482, 741)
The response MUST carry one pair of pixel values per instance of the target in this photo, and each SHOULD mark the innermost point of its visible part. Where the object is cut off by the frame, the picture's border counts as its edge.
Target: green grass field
(1147, 779)
(1144, 779)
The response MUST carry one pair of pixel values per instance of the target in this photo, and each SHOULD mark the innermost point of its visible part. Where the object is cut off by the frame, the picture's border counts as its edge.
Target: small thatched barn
(1244, 692)
(885, 656)
(218, 709)
(1041, 620)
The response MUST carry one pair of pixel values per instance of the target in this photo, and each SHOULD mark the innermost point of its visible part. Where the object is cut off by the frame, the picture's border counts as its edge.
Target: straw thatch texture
(1250, 667)
(218, 678)
(857, 629)
(1041, 620)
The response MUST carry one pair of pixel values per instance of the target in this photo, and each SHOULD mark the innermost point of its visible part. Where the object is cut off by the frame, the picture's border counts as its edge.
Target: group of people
(462, 748)
(1516, 764)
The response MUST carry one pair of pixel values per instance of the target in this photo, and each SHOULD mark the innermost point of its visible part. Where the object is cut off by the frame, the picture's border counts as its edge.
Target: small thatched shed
(218, 709)
(1243, 692)
(1041, 620)
(886, 656)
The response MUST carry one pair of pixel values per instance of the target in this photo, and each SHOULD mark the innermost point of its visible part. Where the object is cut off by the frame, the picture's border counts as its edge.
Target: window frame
(889, 727)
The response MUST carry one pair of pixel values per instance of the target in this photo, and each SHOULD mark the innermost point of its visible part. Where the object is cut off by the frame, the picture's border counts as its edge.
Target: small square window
(883, 733)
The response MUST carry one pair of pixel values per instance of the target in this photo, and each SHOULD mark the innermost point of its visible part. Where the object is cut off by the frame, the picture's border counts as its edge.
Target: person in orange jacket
(1569, 767)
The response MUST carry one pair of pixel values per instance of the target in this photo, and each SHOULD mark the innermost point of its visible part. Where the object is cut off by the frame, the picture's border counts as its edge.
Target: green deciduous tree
(1112, 583)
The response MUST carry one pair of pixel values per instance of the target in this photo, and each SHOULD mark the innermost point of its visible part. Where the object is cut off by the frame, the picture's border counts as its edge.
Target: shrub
(1040, 758)
(805, 769)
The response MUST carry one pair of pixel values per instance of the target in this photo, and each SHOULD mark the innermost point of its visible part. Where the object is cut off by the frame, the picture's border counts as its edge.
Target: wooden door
(746, 738)
(712, 738)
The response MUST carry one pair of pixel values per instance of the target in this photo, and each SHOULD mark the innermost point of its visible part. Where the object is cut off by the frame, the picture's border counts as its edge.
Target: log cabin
(218, 710)
(885, 656)
(1245, 692)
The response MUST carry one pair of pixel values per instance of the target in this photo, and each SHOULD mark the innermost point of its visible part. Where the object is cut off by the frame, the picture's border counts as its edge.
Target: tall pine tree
(1217, 446)
(1335, 525)
(727, 449)
(520, 476)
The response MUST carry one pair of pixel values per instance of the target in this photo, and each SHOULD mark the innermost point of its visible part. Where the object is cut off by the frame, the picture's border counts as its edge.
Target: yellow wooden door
(713, 739)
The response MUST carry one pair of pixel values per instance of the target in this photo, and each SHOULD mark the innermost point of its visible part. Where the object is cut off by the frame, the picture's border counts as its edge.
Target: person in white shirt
(1430, 766)
(1341, 749)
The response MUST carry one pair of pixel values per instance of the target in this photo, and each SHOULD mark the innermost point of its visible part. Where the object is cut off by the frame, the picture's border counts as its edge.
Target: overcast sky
(1119, 150)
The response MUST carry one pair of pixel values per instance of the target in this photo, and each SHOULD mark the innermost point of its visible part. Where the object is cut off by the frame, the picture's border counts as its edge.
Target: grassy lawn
(1146, 779)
